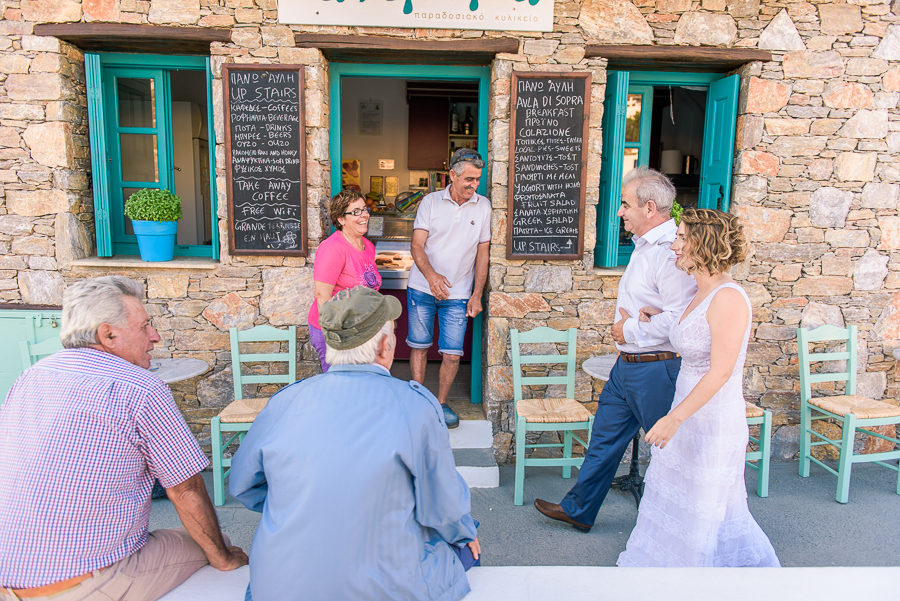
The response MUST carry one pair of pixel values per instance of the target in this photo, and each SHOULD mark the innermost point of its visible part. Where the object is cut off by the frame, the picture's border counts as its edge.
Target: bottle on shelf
(454, 119)
(468, 123)
(452, 148)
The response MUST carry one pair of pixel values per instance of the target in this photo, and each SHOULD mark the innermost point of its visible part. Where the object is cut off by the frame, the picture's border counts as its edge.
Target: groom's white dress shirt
(651, 279)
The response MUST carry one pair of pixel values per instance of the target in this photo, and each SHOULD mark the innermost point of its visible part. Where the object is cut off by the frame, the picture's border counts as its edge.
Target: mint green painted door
(718, 143)
(138, 139)
(15, 326)
(614, 112)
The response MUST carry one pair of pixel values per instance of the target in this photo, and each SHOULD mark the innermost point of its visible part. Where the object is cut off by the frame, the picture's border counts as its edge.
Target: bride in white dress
(694, 509)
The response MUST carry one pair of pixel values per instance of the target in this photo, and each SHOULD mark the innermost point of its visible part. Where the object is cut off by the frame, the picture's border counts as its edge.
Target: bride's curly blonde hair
(715, 240)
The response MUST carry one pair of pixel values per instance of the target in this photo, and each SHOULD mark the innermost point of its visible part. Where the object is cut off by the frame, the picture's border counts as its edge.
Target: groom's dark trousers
(636, 396)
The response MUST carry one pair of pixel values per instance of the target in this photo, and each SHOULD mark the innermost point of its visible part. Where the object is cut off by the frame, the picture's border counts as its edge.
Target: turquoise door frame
(101, 69)
(339, 71)
(718, 146)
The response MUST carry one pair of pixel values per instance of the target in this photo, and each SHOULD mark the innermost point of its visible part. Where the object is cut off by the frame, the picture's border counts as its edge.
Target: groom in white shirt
(641, 385)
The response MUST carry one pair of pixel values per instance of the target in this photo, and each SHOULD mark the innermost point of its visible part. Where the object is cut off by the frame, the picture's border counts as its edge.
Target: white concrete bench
(549, 583)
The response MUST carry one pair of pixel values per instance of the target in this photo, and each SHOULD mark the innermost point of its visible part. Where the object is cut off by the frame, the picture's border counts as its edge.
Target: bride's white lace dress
(694, 509)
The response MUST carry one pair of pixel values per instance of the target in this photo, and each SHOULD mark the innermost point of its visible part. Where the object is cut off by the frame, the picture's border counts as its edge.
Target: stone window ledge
(136, 262)
(609, 271)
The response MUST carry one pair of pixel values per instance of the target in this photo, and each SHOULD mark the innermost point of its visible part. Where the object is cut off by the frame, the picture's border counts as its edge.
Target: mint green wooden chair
(238, 416)
(549, 414)
(34, 351)
(757, 416)
(852, 412)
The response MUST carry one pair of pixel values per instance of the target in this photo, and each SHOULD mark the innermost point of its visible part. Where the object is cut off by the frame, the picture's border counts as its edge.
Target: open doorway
(397, 137)
(393, 129)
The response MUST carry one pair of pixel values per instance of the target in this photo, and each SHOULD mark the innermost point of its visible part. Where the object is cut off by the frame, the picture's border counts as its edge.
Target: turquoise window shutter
(718, 143)
(99, 157)
(211, 128)
(614, 109)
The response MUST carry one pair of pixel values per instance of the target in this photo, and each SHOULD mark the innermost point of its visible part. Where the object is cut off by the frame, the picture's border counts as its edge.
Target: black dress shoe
(555, 512)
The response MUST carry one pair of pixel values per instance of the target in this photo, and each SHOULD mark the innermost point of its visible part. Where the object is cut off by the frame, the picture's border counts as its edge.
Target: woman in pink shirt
(344, 260)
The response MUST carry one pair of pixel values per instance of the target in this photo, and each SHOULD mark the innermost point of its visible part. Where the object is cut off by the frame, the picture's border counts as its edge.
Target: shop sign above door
(504, 15)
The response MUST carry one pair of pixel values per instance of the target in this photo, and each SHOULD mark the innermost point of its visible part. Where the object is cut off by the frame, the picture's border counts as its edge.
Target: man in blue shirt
(354, 475)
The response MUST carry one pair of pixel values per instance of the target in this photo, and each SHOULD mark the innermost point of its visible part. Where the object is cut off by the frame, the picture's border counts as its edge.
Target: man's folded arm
(676, 289)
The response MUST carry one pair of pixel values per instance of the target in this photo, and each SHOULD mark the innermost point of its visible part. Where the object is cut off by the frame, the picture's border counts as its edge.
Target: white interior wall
(686, 134)
(393, 141)
(184, 128)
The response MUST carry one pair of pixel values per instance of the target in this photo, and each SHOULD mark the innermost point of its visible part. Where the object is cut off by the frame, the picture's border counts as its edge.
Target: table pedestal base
(632, 481)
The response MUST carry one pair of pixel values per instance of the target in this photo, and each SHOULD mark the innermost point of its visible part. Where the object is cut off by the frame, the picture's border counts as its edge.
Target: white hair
(90, 303)
(365, 353)
(652, 185)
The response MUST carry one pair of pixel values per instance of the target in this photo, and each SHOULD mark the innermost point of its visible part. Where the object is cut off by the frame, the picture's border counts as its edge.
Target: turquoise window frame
(339, 71)
(607, 252)
(100, 69)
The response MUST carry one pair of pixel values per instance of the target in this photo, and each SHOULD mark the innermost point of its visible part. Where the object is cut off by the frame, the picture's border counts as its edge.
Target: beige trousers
(169, 558)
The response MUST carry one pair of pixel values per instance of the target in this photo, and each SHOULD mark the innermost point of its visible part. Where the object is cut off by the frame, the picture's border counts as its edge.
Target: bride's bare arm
(728, 316)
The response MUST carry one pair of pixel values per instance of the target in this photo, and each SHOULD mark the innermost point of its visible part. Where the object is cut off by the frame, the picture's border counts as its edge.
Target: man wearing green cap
(353, 472)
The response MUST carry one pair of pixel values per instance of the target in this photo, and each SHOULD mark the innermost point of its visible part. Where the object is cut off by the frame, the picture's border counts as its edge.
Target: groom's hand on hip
(618, 329)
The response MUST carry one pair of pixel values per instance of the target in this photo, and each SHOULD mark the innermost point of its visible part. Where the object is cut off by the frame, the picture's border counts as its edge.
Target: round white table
(599, 367)
(176, 370)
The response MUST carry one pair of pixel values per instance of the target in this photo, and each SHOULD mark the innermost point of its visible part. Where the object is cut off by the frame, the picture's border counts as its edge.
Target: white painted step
(472, 444)
(472, 434)
(548, 583)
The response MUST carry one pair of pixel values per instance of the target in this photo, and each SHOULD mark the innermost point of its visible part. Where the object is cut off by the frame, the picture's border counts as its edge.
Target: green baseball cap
(353, 316)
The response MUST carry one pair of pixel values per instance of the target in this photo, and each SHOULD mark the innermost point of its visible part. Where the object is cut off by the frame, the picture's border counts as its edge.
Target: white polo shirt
(454, 233)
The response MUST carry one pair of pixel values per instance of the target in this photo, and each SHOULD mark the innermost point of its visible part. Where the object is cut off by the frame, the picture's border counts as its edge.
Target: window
(151, 127)
(682, 124)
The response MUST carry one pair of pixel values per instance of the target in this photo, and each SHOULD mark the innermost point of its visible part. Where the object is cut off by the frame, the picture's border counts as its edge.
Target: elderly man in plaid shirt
(83, 434)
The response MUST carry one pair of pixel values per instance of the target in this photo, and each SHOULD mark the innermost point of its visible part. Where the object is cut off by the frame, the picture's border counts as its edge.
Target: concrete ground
(807, 527)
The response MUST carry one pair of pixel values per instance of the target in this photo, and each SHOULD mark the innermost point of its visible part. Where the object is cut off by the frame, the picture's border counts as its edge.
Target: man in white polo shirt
(451, 239)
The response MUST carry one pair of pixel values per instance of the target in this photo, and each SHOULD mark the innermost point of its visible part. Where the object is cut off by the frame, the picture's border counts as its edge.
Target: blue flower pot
(156, 239)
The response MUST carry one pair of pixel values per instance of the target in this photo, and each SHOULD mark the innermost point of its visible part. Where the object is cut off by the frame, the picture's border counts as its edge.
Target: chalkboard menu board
(547, 165)
(265, 157)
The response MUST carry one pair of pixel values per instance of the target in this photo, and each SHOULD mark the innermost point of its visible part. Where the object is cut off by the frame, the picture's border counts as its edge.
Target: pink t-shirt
(339, 263)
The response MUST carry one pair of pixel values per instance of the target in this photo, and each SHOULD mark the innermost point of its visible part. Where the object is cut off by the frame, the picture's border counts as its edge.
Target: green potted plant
(676, 212)
(154, 213)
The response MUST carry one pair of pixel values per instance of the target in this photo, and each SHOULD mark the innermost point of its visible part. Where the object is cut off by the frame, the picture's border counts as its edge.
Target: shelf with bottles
(463, 118)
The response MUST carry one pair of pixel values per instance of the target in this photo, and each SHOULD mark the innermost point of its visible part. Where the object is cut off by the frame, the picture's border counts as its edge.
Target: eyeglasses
(359, 212)
(468, 155)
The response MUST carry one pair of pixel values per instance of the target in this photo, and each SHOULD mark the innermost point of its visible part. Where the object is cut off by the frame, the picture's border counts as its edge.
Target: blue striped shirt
(354, 475)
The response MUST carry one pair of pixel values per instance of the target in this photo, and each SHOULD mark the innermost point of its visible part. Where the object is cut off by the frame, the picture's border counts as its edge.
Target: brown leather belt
(647, 357)
(51, 589)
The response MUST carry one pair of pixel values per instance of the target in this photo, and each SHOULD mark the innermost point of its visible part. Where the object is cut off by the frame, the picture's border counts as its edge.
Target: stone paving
(805, 524)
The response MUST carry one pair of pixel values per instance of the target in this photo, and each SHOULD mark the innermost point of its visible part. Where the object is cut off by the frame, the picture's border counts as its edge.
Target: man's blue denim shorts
(452, 320)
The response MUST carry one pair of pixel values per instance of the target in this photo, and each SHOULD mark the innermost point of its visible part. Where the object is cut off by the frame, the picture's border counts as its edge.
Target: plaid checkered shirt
(83, 434)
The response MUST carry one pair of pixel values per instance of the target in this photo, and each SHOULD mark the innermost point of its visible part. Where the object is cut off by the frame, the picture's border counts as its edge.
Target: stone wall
(47, 217)
(817, 181)
(816, 172)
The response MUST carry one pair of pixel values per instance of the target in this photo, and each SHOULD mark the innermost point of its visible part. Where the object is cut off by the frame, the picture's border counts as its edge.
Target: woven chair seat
(242, 411)
(557, 411)
(753, 410)
(860, 406)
